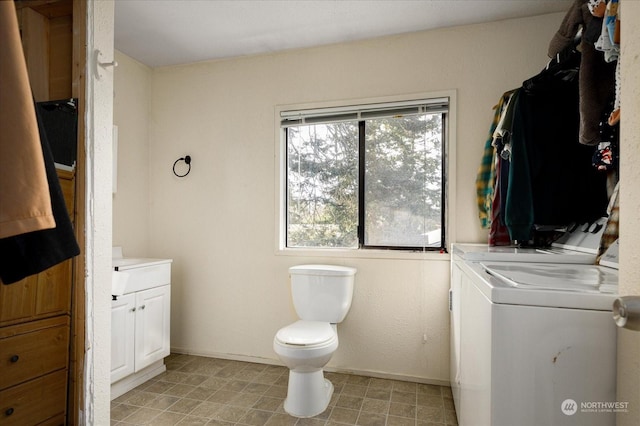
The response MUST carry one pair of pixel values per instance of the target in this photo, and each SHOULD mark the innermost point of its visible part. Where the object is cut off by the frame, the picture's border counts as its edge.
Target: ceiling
(170, 32)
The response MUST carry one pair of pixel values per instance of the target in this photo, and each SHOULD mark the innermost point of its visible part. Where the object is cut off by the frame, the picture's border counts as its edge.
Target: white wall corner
(99, 163)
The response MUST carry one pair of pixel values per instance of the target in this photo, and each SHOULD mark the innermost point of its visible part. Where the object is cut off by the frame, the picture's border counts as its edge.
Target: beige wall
(230, 290)
(131, 116)
(628, 341)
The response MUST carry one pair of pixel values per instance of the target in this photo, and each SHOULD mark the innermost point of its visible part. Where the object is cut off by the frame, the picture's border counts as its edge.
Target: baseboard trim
(134, 380)
(272, 361)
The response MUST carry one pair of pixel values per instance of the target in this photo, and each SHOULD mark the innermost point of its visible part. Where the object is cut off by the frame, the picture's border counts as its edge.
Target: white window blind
(363, 112)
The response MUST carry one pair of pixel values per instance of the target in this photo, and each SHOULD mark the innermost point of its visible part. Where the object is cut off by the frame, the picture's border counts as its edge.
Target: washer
(484, 252)
(535, 342)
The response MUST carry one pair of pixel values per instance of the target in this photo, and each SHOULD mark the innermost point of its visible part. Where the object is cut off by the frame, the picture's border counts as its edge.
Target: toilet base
(308, 394)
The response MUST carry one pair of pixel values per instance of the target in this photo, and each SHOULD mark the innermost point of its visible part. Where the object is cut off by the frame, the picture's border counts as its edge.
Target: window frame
(448, 183)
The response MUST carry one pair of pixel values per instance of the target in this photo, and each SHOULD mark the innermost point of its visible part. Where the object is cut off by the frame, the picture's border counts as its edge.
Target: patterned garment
(486, 177)
(498, 232)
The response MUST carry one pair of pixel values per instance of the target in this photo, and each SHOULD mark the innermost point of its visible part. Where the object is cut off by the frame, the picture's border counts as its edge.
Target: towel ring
(187, 160)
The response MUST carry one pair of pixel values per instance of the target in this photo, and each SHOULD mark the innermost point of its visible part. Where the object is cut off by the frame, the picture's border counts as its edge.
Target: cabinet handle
(142, 307)
(9, 411)
(133, 309)
(14, 358)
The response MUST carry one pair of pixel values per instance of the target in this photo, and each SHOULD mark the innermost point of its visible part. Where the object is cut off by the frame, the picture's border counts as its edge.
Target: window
(368, 176)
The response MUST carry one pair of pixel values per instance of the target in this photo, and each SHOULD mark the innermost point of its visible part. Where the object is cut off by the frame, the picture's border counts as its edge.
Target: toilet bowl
(322, 297)
(305, 347)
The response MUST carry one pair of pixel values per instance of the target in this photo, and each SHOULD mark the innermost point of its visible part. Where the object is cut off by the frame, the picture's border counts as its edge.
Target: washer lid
(541, 287)
(562, 277)
(306, 333)
(486, 253)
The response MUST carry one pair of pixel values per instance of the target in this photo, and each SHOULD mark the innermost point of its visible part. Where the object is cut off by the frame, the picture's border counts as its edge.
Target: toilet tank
(322, 292)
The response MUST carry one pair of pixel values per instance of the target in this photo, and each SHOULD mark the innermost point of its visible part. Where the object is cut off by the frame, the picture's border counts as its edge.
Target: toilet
(322, 297)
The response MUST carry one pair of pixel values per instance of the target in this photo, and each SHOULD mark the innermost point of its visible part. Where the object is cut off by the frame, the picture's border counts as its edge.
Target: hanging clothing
(498, 232)
(33, 252)
(551, 180)
(597, 77)
(25, 204)
(577, 17)
(60, 120)
(35, 229)
(485, 178)
(609, 43)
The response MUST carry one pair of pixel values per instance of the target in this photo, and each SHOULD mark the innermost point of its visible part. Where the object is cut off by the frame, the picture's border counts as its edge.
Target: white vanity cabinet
(152, 325)
(140, 321)
(123, 323)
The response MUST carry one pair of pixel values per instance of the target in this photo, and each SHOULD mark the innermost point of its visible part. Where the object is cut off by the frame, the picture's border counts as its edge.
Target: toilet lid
(306, 333)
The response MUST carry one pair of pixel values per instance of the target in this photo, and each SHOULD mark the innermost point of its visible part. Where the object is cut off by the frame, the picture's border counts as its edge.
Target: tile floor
(208, 391)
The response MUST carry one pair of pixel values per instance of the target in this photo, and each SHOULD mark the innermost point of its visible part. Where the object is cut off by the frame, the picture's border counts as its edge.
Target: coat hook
(103, 65)
(108, 64)
(187, 161)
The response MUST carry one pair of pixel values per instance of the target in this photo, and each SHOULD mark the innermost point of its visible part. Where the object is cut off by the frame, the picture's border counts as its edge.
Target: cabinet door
(54, 290)
(17, 300)
(152, 325)
(122, 336)
(38, 296)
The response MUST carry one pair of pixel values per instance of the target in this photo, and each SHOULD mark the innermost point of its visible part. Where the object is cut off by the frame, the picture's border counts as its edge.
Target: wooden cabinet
(42, 316)
(34, 342)
(47, 40)
(33, 372)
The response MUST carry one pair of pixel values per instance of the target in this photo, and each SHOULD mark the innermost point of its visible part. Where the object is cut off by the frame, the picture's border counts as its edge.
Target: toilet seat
(306, 334)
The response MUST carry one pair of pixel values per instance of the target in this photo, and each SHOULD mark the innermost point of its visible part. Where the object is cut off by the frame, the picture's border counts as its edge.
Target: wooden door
(17, 300)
